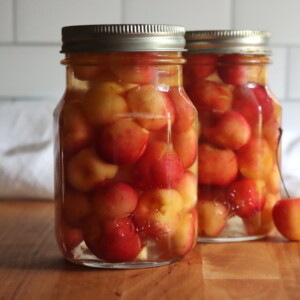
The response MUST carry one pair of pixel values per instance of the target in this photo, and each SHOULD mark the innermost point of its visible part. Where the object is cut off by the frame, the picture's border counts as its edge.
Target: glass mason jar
(126, 148)
(239, 181)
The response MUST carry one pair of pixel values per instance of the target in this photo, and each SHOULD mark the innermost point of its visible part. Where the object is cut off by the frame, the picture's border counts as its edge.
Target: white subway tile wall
(281, 17)
(30, 36)
(6, 21)
(290, 117)
(294, 73)
(41, 20)
(193, 14)
(277, 72)
(31, 71)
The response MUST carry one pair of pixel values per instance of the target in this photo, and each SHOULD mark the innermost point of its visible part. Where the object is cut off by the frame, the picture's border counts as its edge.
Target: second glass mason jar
(239, 181)
(126, 148)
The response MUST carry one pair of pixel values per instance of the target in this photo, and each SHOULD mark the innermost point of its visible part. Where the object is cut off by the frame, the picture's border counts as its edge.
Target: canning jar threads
(125, 148)
(239, 182)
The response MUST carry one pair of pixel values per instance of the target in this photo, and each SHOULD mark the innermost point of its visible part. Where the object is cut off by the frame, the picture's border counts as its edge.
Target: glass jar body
(240, 119)
(125, 188)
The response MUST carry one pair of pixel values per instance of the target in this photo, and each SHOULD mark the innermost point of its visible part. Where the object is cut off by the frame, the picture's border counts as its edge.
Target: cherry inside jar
(238, 157)
(126, 158)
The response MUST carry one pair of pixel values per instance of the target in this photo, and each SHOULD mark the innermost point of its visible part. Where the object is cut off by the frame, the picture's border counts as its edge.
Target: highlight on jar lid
(122, 37)
(228, 41)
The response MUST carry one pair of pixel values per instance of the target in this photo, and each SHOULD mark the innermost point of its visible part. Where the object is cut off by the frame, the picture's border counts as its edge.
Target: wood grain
(31, 267)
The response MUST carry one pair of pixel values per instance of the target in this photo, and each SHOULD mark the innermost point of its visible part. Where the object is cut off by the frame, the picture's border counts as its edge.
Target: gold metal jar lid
(228, 41)
(123, 37)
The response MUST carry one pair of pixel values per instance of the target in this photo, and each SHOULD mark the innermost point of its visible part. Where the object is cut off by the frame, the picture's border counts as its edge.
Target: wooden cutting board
(32, 268)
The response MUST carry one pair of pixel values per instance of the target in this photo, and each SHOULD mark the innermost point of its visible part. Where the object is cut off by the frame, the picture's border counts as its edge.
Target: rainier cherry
(286, 216)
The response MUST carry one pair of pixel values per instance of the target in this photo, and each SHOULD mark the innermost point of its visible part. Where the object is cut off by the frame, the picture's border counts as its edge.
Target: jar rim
(123, 38)
(228, 41)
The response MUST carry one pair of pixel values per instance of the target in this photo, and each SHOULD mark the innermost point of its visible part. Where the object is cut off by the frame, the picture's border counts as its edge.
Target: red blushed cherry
(236, 75)
(264, 100)
(255, 159)
(245, 102)
(211, 96)
(120, 242)
(231, 130)
(185, 111)
(238, 69)
(76, 132)
(114, 200)
(75, 208)
(271, 133)
(158, 213)
(216, 166)
(167, 169)
(132, 67)
(186, 145)
(213, 217)
(114, 240)
(154, 109)
(199, 66)
(71, 237)
(213, 210)
(245, 198)
(253, 102)
(184, 238)
(159, 166)
(286, 216)
(92, 230)
(122, 142)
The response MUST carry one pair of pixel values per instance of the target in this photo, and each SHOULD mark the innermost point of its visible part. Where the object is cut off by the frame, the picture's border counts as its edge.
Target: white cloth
(26, 149)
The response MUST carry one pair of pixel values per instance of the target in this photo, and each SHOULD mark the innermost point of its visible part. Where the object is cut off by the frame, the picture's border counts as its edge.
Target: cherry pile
(239, 132)
(126, 150)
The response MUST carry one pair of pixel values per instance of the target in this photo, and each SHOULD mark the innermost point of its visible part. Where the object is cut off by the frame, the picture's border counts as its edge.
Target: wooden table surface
(32, 268)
